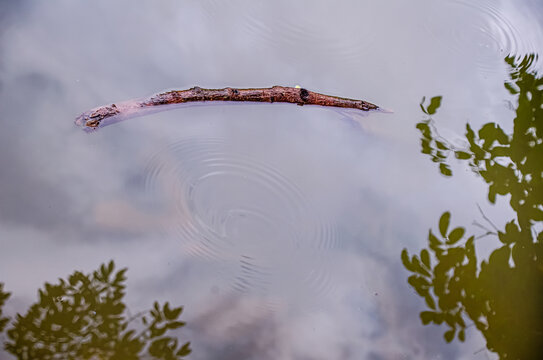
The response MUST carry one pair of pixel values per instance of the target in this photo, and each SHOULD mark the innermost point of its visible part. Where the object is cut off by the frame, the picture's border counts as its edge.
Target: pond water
(279, 228)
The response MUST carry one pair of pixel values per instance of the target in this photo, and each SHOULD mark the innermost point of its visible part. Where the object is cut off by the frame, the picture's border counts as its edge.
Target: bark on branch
(93, 118)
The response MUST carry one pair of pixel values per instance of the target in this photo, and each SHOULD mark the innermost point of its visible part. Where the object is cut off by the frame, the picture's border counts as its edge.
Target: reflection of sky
(72, 200)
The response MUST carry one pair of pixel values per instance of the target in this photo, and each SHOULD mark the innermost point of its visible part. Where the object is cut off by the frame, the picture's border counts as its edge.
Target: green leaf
(171, 314)
(167, 312)
(184, 351)
(435, 103)
(511, 235)
(456, 235)
(440, 155)
(415, 261)
(441, 145)
(470, 134)
(119, 277)
(158, 331)
(492, 194)
(444, 221)
(462, 155)
(462, 335)
(175, 324)
(491, 132)
(425, 258)
(449, 335)
(422, 105)
(427, 317)
(157, 348)
(425, 146)
(430, 301)
(512, 228)
(433, 240)
(445, 169)
(424, 129)
(110, 267)
(419, 284)
(176, 312)
(406, 262)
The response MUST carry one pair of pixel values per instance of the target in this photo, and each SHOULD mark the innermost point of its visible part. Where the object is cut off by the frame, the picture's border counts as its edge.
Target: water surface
(279, 228)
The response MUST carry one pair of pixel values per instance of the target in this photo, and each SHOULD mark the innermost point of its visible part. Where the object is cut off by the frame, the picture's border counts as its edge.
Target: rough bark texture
(93, 118)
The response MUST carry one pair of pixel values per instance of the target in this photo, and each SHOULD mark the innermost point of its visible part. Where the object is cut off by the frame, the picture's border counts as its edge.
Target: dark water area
(283, 231)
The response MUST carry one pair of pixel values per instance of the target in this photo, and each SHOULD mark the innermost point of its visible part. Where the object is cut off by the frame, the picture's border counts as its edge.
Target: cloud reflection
(68, 200)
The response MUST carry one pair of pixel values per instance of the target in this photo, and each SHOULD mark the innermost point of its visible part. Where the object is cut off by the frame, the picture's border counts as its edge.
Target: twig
(487, 219)
(481, 350)
(93, 118)
(488, 232)
(485, 235)
(134, 317)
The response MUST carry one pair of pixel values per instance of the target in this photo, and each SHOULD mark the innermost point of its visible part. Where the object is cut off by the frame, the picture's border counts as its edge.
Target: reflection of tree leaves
(3, 298)
(435, 103)
(449, 335)
(501, 296)
(445, 169)
(444, 221)
(84, 317)
(509, 164)
(455, 235)
(511, 234)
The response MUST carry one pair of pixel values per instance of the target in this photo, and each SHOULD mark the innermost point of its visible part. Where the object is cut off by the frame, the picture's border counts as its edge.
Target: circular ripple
(299, 31)
(231, 209)
(483, 33)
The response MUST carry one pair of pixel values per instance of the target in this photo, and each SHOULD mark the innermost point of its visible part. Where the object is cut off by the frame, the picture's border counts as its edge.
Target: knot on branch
(304, 95)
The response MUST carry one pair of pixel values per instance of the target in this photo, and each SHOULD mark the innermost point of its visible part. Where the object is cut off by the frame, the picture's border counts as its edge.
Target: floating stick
(93, 118)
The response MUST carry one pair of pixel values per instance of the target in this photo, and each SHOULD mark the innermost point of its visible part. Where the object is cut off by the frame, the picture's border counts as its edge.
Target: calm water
(279, 228)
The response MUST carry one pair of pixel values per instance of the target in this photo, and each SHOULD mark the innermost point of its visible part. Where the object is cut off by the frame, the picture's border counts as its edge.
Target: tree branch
(93, 118)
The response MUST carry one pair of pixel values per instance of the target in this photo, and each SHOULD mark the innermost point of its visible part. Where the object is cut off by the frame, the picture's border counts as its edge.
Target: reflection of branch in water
(93, 118)
(486, 218)
(488, 232)
(481, 226)
(135, 316)
(481, 350)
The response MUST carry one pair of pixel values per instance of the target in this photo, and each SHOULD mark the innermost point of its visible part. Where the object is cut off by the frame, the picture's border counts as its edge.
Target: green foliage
(502, 296)
(432, 144)
(435, 103)
(84, 317)
(446, 282)
(511, 164)
(4, 296)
